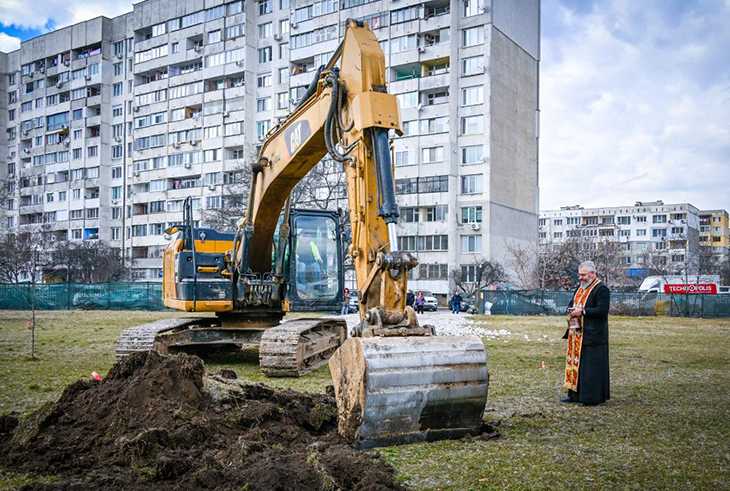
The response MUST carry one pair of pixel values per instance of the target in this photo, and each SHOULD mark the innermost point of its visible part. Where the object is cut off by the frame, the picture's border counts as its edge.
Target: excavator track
(142, 337)
(300, 346)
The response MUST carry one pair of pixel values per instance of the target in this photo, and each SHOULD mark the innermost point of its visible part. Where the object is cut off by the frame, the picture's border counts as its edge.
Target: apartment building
(670, 232)
(715, 233)
(109, 124)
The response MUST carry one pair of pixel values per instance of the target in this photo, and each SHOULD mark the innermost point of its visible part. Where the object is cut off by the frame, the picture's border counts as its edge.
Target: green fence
(536, 302)
(64, 296)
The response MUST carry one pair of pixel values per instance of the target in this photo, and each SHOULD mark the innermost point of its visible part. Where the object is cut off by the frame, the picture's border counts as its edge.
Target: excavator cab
(314, 273)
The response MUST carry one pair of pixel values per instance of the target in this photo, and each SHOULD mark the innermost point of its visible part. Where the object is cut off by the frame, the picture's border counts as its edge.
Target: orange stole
(575, 339)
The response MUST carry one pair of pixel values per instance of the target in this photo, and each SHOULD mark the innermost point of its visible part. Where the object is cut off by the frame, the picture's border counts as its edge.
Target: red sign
(701, 288)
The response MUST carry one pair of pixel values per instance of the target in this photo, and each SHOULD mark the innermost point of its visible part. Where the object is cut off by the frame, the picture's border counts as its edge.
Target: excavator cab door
(315, 277)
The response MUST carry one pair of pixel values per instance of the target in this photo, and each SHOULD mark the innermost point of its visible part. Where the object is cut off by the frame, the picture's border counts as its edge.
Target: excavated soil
(161, 423)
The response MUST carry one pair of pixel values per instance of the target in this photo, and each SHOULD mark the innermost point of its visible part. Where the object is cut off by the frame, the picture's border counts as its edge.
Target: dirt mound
(160, 423)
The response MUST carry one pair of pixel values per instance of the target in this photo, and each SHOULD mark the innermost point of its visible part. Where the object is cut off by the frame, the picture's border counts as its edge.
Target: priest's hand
(577, 311)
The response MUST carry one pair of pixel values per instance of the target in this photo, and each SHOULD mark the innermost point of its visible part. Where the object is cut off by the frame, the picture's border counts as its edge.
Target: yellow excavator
(395, 381)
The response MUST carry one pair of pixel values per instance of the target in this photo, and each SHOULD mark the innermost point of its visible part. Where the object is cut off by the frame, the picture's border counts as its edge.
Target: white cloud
(8, 43)
(636, 105)
(36, 14)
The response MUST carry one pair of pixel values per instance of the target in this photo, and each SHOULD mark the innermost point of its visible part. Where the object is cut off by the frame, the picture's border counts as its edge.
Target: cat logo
(296, 135)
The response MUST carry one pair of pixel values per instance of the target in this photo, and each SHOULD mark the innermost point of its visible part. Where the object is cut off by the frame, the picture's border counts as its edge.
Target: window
(264, 54)
(283, 75)
(263, 104)
(150, 54)
(434, 125)
(213, 36)
(640, 219)
(409, 215)
(472, 36)
(404, 157)
(433, 184)
(658, 232)
(403, 43)
(659, 219)
(92, 151)
(408, 99)
(213, 202)
(264, 30)
(284, 26)
(76, 214)
(432, 154)
(264, 7)
(473, 7)
(232, 32)
(624, 220)
(472, 66)
(471, 184)
(139, 230)
(472, 125)
(282, 100)
(437, 213)
(471, 214)
(441, 97)
(472, 95)
(404, 15)
(471, 244)
(624, 233)
(641, 232)
(472, 154)
(76, 233)
(117, 152)
(117, 172)
(62, 196)
(211, 132)
(263, 80)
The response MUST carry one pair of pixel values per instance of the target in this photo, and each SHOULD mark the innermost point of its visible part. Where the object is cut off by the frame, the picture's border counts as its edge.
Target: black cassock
(594, 380)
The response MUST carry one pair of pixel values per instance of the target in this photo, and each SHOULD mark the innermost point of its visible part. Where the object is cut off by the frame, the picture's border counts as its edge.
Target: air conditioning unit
(136, 173)
(66, 142)
(193, 142)
(475, 226)
(261, 138)
(241, 62)
(87, 77)
(26, 150)
(421, 49)
(115, 201)
(198, 48)
(277, 37)
(120, 56)
(238, 84)
(42, 69)
(25, 132)
(187, 165)
(176, 145)
(66, 63)
(293, 25)
(419, 107)
(59, 84)
(211, 187)
(135, 108)
(64, 126)
(226, 114)
(117, 139)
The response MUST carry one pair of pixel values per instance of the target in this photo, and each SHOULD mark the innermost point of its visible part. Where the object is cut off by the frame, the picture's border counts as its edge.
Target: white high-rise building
(107, 125)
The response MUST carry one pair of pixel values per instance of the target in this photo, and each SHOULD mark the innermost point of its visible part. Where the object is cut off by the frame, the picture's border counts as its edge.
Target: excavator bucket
(395, 390)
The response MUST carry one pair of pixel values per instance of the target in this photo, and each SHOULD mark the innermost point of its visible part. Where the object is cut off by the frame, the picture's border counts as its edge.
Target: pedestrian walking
(420, 302)
(456, 303)
(346, 302)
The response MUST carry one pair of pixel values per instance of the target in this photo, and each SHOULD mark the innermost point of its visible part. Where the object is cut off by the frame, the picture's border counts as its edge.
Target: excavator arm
(346, 114)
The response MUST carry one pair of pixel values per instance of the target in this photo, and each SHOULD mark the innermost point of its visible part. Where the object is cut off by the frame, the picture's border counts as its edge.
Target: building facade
(109, 124)
(668, 233)
(715, 233)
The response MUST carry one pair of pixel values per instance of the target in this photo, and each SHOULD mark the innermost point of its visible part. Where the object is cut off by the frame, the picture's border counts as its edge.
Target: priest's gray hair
(587, 265)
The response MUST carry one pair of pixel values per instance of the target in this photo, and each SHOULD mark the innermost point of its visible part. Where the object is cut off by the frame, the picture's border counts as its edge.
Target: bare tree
(480, 273)
(89, 262)
(27, 257)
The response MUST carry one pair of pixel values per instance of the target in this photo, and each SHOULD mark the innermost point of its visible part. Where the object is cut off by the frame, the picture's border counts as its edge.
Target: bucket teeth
(400, 390)
(298, 347)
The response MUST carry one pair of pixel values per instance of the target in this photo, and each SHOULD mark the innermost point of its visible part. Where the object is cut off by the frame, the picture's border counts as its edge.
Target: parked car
(431, 303)
(468, 305)
(513, 305)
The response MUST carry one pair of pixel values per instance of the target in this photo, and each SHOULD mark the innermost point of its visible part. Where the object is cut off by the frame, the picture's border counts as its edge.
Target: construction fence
(541, 302)
(118, 295)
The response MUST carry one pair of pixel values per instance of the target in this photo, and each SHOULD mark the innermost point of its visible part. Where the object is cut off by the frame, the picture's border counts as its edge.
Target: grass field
(667, 425)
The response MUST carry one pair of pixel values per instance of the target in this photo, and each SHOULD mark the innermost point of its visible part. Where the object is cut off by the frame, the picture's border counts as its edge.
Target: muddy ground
(161, 423)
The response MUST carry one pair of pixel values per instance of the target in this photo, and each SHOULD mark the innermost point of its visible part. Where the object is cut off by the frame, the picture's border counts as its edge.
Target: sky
(634, 95)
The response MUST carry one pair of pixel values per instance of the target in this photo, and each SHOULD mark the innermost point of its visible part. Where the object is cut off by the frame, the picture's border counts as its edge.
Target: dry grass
(666, 426)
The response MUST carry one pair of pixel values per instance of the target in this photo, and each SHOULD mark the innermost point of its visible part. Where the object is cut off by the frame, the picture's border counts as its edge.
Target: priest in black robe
(593, 386)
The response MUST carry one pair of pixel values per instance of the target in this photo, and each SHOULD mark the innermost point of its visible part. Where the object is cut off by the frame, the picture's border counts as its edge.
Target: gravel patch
(447, 324)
